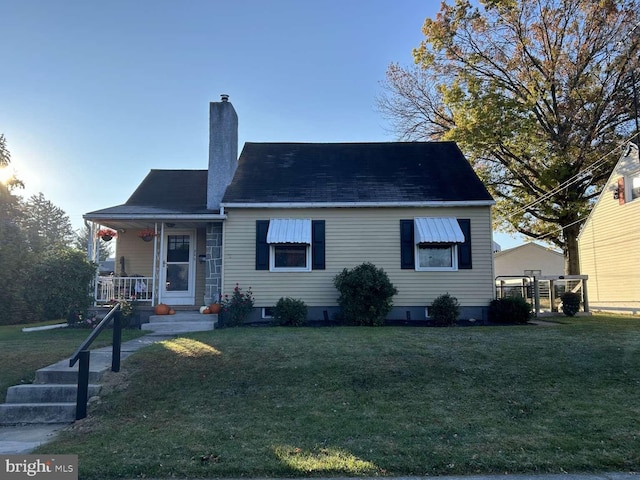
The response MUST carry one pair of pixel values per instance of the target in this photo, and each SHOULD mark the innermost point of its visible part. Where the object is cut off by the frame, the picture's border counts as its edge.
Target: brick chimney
(223, 149)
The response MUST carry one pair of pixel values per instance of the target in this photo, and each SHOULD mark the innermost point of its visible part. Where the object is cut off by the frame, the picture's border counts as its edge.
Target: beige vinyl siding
(353, 236)
(138, 255)
(609, 248)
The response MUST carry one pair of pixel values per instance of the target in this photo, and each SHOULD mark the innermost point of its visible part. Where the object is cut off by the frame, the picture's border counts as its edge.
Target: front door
(178, 282)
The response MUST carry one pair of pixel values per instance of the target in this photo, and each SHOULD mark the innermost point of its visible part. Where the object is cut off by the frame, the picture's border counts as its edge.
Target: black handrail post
(83, 384)
(117, 342)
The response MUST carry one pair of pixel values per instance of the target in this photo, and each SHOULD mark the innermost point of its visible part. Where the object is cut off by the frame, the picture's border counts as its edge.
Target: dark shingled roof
(165, 192)
(354, 172)
(176, 189)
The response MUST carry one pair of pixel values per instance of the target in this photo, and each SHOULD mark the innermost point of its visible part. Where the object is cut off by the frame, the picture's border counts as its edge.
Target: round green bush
(365, 294)
(290, 311)
(445, 310)
(510, 310)
(570, 303)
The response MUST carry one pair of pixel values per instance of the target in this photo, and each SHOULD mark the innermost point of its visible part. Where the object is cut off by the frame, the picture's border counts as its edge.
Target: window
(533, 273)
(634, 181)
(290, 257)
(290, 245)
(435, 244)
(436, 256)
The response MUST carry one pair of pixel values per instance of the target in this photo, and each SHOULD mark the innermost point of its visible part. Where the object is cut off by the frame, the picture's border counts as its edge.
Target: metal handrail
(83, 355)
(95, 332)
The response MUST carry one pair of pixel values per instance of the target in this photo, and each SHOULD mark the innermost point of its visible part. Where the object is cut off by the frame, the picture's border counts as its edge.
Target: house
(609, 242)
(286, 218)
(529, 259)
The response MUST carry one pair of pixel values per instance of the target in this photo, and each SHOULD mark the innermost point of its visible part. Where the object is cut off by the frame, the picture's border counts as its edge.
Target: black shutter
(407, 245)
(262, 247)
(317, 245)
(464, 249)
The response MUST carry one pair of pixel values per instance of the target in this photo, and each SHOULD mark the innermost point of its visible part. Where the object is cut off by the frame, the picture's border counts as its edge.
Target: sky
(94, 94)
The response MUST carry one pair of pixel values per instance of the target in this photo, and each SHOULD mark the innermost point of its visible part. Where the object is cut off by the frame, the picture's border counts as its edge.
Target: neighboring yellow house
(286, 218)
(609, 243)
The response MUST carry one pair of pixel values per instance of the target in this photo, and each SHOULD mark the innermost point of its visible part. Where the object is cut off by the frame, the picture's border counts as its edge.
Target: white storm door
(178, 268)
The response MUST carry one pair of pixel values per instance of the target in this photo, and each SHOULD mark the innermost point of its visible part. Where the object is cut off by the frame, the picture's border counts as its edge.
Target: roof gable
(353, 173)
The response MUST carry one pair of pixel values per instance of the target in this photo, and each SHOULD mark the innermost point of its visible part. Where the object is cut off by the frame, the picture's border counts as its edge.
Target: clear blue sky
(94, 94)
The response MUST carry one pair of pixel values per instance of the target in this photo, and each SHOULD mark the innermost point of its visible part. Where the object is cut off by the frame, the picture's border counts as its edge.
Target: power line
(576, 178)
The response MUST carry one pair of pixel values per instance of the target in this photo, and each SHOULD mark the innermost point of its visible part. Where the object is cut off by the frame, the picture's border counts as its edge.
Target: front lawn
(357, 401)
(22, 353)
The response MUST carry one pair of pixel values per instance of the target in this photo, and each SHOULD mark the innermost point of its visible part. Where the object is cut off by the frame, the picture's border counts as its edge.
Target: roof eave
(460, 203)
(167, 216)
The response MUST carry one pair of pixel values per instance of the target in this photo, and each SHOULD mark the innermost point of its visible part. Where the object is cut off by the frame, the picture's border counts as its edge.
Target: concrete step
(30, 393)
(33, 413)
(182, 327)
(181, 317)
(61, 373)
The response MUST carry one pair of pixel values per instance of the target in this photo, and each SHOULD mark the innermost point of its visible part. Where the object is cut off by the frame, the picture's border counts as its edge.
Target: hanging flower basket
(106, 234)
(147, 234)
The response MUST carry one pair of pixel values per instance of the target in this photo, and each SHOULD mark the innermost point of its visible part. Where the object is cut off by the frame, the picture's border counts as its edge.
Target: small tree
(365, 294)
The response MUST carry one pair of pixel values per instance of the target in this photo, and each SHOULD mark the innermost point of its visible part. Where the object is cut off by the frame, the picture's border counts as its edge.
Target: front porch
(176, 263)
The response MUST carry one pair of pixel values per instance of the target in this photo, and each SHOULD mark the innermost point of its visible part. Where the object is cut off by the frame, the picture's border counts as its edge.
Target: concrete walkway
(23, 439)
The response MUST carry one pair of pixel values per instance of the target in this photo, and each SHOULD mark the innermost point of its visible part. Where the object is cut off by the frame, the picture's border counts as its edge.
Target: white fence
(109, 288)
(544, 292)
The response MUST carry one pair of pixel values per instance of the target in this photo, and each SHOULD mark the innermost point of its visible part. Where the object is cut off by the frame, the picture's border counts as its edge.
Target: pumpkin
(161, 309)
(202, 309)
(206, 311)
(172, 311)
(215, 308)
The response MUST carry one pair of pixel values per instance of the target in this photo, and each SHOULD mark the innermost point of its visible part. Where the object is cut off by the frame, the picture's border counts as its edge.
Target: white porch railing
(109, 288)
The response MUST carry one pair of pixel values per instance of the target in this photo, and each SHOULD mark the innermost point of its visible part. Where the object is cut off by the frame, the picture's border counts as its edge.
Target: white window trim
(628, 186)
(454, 260)
(272, 259)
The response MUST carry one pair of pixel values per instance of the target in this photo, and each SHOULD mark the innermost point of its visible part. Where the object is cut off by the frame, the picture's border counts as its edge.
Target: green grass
(357, 401)
(22, 353)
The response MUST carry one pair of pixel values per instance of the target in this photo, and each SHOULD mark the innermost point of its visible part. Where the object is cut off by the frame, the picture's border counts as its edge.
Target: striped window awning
(289, 230)
(437, 230)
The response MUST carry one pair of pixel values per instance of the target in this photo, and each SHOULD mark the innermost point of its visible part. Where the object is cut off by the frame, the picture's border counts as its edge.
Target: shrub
(290, 311)
(445, 310)
(365, 294)
(237, 307)
(509, 310)
(570, 303)
(61, 282)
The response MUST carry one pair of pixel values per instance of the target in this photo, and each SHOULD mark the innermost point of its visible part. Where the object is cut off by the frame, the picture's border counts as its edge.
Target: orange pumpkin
(215, 308)
(206, 311)
(161, 309)
(172, 311)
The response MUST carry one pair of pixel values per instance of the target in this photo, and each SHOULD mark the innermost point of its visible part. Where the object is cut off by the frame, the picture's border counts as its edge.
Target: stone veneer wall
(213, 274)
